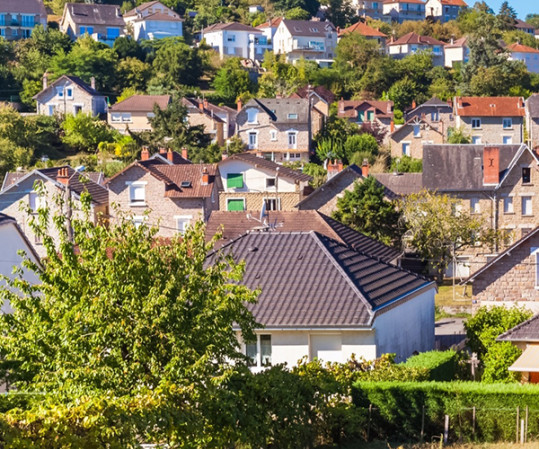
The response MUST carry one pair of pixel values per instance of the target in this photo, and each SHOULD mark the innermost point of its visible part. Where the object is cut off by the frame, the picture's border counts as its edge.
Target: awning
(528, 362)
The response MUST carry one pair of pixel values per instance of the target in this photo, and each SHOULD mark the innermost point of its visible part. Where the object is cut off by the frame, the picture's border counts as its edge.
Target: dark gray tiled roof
(271, 166)
(232, 26)
(400, 183)
(85, 13)
(460, 167)
(526, 331)
(533, 106)
(310, 280)
(80, 183)
(279, 108)
(6, 219)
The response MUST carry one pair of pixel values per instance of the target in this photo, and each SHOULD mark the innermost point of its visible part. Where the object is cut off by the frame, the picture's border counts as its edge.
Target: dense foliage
(442, 366)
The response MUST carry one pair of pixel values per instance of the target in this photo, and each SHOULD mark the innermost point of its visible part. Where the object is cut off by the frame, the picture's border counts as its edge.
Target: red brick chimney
(365, 168)
(170, 155)
(184, 153)
(334, 167)
(200, 104)
(162, 150)
(63, 175)
(206, 103)
(144, 154)
(205, 177)
(240, 105)
(392, 126)
(491, 166)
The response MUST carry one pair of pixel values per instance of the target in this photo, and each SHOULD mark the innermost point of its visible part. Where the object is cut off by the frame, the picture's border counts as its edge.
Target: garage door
(326, 347)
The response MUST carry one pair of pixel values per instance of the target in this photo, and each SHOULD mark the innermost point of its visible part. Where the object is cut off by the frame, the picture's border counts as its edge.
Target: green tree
(533, 20)
(355, 52)
(403, 93)
(133, 73)
(458, 135)
(507, 16)
(359, 147)
(297, 13)
(84, 132)
(406, 164)
(366, 210)
(177, 64)
(340, 13)
(232, 80)
(483, 329)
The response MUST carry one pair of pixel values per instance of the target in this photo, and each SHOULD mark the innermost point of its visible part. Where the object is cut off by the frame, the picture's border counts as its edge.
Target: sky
(522, 7)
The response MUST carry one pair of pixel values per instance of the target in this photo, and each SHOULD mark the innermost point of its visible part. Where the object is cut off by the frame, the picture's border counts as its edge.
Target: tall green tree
(83, 132)
(366, 210)
(232, 80)
(507, 16)
(176, 64)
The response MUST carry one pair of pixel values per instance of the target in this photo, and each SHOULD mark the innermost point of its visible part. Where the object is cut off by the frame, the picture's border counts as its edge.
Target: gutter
(400, 298)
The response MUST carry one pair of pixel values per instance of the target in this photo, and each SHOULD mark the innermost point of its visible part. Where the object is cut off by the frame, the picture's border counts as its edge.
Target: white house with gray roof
(308, 39)
(153, 20)
(236, 39)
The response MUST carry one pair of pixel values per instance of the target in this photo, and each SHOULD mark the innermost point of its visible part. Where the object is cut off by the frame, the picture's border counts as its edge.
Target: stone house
(69, 95)
(307, 39)
(153, 20)
(366, 31)
(22, 190)
(19, 17)
(170, 196)
(412, 43)
(456, 52)
(134, 112)
(532, 120)
(511, 278)
(435, 112)
(251, 183)
(495, 183)
(491, 120)
(408, 140)
(373, 112)
(402, 10)
(525, 336)
(444, 10)
(104, 23)
(376, 307)
(278, 129)
(321, 98)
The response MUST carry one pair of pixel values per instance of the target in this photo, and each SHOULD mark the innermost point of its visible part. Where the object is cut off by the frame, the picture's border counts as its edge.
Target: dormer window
(252, 115)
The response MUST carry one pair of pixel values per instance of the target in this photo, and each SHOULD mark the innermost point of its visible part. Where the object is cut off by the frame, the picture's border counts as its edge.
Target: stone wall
(492, 131)
(254, 201)
(406, 135)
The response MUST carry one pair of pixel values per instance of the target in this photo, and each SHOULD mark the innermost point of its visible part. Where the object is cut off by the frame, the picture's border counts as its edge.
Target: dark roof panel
(526, 331)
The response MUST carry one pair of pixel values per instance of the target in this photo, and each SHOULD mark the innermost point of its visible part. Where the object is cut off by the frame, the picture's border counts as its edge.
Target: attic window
(292, 116)
(314, 30)
(185, 184)
(296, 29)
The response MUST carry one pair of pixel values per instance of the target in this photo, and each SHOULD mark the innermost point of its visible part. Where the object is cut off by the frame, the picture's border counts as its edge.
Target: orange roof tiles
(363, 29)
(490, 106)
(454, 3)
(519, 48)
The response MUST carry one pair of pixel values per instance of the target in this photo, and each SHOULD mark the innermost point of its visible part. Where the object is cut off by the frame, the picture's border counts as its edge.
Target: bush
(398, 408)
(406, 164)
(441, 366)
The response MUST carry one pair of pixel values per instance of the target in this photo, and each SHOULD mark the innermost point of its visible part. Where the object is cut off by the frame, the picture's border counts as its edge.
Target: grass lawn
(462, 297)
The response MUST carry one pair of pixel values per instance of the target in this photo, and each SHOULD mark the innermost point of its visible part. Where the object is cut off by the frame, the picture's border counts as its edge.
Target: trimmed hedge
(441, 366)
(398, 409)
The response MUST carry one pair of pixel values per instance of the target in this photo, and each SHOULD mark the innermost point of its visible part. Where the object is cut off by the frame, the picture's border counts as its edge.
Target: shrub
(440, 365)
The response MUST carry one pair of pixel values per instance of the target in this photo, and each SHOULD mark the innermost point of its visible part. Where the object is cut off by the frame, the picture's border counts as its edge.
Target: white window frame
(508, 120)
(258, 363)
(292, 116)
(252, 115)
(69, 95)
(132, 186)
(116, 117)
(477, 140)
(508, 205)
(274, 183)
(409, 146)
(36, 201)
(534, 252)
(182, 219)
(526, 199)
(509, 138)
(249, 135)
(476, 123)
(273, 135)
(138, 220)
(292, 135)
(417, 131)
(272, 198)
(126, 117)
(475, 206)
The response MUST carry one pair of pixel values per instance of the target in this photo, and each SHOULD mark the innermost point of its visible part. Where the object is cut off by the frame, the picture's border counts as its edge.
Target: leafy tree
(297, 13)
(85, 132)
(483, 329)
(359, 147)
(365, 209)
(177, 64)
(127, 47)
(458, 135)
(355, 52)
(133, 73)
(317, 172)
(403, 93)
(406, 164)
(533, 20)
(507, 16)
(311, 6)
(340, 12)
(232, 80)
(438, 227)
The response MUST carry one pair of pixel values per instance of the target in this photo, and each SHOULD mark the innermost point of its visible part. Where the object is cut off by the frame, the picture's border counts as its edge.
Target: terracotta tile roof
(187, 173)
(141, 103)
(363, 29)
(94, 14)
(519, 48)
(460, 3)
(526, 331)
(235, 224)
(232, 26)
(490, 106)
(310, 280)
(413, 38)
(23, 7)
(350, 108)
(457, 43)
(270, 166)
(308, 27)
(273, 23)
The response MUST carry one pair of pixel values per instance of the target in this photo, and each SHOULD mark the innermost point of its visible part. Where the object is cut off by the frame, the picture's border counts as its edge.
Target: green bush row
(402, 409)
(441, 366)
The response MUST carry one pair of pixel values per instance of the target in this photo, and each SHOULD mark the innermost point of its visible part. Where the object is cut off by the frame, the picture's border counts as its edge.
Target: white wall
(407, 328)
(254, 179)
(530, 59)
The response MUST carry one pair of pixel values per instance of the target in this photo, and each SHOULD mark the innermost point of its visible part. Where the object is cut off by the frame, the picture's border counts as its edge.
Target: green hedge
(398, 408)
(441, 366)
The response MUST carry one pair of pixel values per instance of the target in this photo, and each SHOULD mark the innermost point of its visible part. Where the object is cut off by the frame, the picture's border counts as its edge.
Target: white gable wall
(254, 179)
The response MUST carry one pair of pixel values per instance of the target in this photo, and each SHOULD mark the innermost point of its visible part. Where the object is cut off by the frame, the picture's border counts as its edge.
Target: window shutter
(234, 180)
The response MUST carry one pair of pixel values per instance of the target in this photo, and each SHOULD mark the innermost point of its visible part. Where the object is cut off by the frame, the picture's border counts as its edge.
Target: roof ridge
(508, 332)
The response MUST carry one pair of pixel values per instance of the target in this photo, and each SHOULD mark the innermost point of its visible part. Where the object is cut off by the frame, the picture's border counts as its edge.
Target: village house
(525, 337)
(520, 25)
(456, 52)
(134, 112)
(375, 113)
(368, 8)
(252, 183)
(278, 129)
(413, 43)
(19, 17)
(320, 98)
(104, 23)
(494, 183)
(444, 10)
(169, 195)
(511, 278)
(402, 10)
(153, 20)
(532, 120)
(69, 95)
(528, 55)
(269, 28)
(408, 140)
(218, 121)
(236, 39)
(366, 31)
(307, 39)
(55, 181)
(491, 120)
(433, 111)
(368, 308)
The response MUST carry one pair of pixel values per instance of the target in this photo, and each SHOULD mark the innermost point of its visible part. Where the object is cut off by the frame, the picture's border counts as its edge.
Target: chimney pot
(63, 175)
(224, 156)
(205, 177)
(240, 105)
(491, 166)
(365, 168)
(144, 154)
(162, 150)
(92, 82)
(170, 155)
(206, 104)
(414, 104)
(334, 167)
(184, 153)
(200, 105)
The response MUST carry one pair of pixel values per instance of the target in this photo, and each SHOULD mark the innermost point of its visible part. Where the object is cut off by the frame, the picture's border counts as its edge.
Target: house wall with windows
(137, 192)
(409, 139)
(368, 8)
(135, 121)
(442, 11)
(492, 130)
(400, 10)
(401, 51)
(18, 19)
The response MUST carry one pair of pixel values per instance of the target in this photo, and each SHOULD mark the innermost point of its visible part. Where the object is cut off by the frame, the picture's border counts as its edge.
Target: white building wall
(254, 179)
(407, 328)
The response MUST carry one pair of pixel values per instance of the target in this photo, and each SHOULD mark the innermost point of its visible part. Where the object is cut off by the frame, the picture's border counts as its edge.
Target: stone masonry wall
(254, 201)
(492, 132)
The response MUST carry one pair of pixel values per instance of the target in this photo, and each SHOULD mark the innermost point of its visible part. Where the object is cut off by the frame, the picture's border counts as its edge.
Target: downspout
(495, 199)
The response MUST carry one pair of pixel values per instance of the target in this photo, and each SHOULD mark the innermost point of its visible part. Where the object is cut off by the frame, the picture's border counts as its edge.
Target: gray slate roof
(460, 167)
(309, 280)
(232, 26)
(83, 13)
(279, 108)
(23, 7)
(401, 183)
(526, 331)
(270, 166)
(532, 104)
(308, 27)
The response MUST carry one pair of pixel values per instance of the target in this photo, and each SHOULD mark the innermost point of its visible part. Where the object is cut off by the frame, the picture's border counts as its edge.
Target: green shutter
(361, 116)
(234, 180)
(370, 116)
(235, 205)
